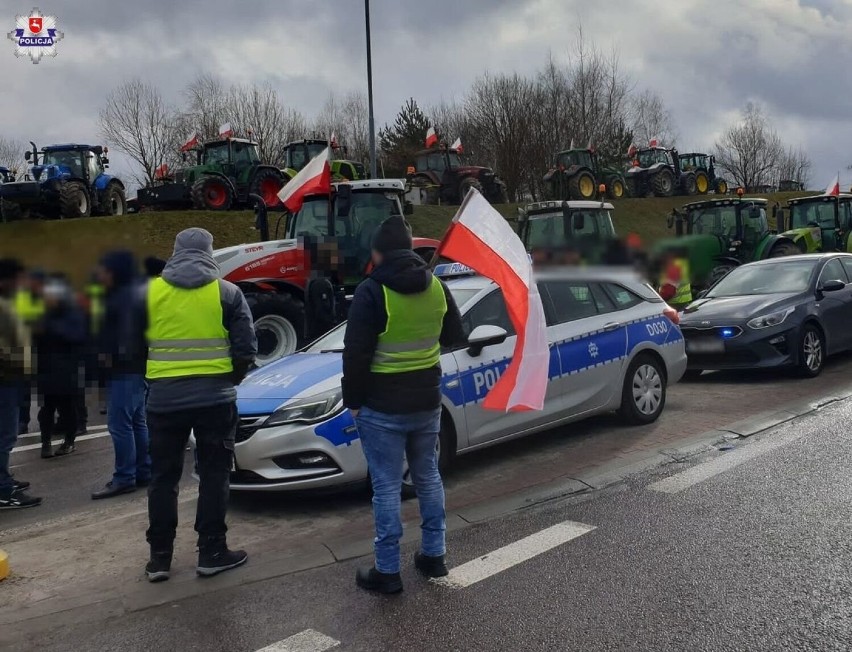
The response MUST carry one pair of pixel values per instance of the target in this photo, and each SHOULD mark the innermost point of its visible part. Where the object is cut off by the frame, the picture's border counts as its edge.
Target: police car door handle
(613, 325)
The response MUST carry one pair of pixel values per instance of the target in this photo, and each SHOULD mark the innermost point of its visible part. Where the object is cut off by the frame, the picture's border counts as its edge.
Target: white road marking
(308, 641)
(513, 554)
(30, 435)
(686, 479)
(32, 447)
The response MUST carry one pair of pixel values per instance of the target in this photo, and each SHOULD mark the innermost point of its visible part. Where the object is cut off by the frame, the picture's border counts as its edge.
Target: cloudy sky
(706, 58)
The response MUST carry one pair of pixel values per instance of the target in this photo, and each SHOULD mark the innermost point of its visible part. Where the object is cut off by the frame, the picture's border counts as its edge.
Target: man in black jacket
(122, 353)
(399, 319)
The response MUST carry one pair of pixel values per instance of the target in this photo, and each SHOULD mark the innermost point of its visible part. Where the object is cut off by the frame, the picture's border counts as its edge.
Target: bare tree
(11, 153)
(750, 150)
(347, 118)
(795, 165)
(650, 119)
(207, 105)
(258, 112)
(136, 121)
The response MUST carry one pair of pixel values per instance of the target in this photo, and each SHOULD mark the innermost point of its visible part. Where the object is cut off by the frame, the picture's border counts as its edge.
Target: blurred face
(377, 258)
(105, 277)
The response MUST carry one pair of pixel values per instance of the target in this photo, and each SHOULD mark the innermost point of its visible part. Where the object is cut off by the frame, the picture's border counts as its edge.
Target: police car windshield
(332, 342)
(768, 278)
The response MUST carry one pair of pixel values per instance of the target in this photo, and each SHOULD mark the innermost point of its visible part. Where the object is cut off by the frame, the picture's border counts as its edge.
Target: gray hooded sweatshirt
(192, 266)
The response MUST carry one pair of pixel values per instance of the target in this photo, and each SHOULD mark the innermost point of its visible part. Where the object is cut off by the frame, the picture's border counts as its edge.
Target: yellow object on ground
(4, 565)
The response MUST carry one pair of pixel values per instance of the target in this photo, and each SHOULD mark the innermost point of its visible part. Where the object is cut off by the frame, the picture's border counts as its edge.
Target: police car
(614, 346)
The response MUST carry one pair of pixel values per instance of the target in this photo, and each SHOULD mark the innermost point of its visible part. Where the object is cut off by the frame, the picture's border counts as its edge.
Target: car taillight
(672, 314)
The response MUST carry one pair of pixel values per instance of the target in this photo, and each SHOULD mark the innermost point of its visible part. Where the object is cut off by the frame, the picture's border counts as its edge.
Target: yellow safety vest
(684, 287)
(410, 341)
(185, 332)
(96, 293)
(28, 308)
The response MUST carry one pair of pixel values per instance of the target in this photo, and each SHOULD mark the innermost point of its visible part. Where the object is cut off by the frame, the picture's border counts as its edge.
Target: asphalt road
(741, 549)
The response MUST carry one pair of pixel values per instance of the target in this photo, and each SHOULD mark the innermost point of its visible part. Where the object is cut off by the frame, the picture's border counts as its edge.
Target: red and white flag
(653, 142)
(333, 141)
(834, 187)
(431, 137)
(190, 143)
(225, 130)
(161, 172)
(458, 146)
(482, 239)
(313, 179)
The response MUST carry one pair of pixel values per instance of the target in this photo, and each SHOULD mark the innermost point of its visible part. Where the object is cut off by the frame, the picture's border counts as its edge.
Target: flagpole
(372, 121)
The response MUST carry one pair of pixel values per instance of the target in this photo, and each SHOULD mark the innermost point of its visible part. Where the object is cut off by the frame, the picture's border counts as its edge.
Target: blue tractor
(65, 181)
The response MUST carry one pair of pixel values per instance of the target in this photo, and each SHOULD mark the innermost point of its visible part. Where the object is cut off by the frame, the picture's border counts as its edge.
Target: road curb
(4, 565)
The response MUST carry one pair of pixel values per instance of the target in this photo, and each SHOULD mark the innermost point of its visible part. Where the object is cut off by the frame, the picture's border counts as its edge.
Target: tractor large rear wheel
(268, 183)
(702, 182)
(13, 212)
(663, 183)
(212, 194)
(114, 202)
(74, 201)
(581, 186)
(279, 323)
(466, 184)
(689, 185)
(721, 187)
(784, 249)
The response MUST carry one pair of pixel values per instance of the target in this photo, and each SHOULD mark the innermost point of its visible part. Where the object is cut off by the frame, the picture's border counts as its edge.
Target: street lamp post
(372, 119)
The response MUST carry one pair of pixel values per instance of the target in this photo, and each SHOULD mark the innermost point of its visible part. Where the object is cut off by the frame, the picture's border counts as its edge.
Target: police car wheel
(644, 392)
(445, 456)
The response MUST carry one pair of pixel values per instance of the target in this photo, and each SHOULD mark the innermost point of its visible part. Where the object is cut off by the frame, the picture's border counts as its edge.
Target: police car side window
(622, 297)
(570, 300)
(490, 310)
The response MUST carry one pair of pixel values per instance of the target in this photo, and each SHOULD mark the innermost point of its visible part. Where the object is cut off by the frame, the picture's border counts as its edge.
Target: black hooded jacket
(121, 342)
(405, 272)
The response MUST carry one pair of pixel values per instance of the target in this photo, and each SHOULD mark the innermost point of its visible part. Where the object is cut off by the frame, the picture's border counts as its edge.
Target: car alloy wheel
(647, 389)
(812, 351)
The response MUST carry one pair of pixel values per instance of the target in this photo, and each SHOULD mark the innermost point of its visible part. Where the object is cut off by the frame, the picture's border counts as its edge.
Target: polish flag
(333, 141)
(431, 137)
(161, 172)
(313, 179)
(190, 143)
(225, 130)
(653, 142)
(458, 146)
(834, 187)
(482, 239)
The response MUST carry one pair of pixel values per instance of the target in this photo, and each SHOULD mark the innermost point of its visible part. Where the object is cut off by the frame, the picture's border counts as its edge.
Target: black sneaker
(18, 500)
(19, 485)
(158, 567)
(212, 563)
(430, 566)
(46, 452)
(370, 579)
(64, 449)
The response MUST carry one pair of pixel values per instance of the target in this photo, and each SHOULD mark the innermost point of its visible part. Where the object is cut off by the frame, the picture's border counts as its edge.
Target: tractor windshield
(714, 220)
(813, 213)
(650, 157)
(245, 153)
(574, 157)
(216, 154)
(455, 160)
(369, 209)
(552, 229)
(71, 160)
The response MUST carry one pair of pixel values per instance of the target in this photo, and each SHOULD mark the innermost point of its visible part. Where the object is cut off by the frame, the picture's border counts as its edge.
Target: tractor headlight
(772, 319)
(310, 409)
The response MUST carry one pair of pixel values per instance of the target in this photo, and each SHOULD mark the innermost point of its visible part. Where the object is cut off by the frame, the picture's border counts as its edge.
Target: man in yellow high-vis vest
(201, 344)
(399, 319)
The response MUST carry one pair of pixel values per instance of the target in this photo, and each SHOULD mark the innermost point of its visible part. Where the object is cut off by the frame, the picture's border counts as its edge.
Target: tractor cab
(741, 224)
(440, 160)
(299, 153)
(648, 158)
(575, 157)
(6, 175)
(581, 229)
(820, 223)
(84, 162)
(232, 153)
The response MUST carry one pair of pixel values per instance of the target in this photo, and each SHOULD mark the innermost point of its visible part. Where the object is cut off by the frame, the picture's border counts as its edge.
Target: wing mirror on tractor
(754, 213)
(485, 335)
(344, 200)
(28, 155)
(407, 208)
(578, 219)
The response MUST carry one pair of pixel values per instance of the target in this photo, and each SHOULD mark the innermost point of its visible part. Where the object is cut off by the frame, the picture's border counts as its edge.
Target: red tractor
(442, 178)
(299, 287)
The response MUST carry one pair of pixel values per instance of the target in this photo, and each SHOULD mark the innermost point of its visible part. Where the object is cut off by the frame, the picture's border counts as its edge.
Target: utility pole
(372, 119)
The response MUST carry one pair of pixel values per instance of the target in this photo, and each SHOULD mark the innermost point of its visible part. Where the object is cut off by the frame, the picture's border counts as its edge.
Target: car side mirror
(834, 285)
(485, 335)
(407, 208)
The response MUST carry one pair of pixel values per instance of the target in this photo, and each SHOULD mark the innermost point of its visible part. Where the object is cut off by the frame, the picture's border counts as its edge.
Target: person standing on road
(122, 354)
(29, 305)
(15, 360)
(399, 319)
(60, 347)
(201, 344)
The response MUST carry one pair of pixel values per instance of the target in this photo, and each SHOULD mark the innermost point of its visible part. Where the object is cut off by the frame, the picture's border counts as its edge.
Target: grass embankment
(74, 246)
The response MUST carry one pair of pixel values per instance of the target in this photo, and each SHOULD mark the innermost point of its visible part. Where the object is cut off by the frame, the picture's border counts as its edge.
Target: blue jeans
(386, 440)
(126, 423)
(10, 399)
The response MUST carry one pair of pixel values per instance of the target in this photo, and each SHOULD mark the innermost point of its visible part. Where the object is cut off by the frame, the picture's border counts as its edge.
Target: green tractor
(298, 154)
(578, 173)
(703, 166)
(819, 223)
(718, 235)
(549, 229)
(226, 173)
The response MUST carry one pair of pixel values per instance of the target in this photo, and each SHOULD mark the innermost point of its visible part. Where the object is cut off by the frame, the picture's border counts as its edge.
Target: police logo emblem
(35, 36)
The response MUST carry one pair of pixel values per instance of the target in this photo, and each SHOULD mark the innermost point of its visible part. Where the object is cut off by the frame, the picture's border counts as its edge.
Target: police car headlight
(772, 319)
(310, 409)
